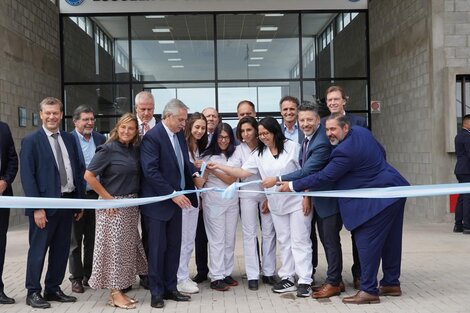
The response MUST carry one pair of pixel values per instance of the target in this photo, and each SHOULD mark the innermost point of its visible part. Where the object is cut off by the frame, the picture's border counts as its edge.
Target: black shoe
(199, 278)
(157, 302)
(219, 285)
(458, 228)
(466, 231)
(304, 290)
(176, 296)
(35, 300)
(144, 281)
(126, 290)
(270, 280)
(59, 296)
(253, 284)
(230, 281)
(4, 299)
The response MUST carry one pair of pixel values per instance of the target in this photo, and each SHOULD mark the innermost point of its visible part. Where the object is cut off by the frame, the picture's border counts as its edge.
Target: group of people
(143, 158)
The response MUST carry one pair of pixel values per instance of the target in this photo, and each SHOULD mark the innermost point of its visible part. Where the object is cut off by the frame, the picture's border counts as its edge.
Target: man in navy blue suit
(358, 161)
(462, 172)
(8, 170)
(314, 155)
(49, 168)
(83, 230)
(165, 170)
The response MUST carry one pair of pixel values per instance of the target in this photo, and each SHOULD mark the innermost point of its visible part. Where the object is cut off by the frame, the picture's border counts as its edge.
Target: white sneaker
(187, 287)
(192, 282)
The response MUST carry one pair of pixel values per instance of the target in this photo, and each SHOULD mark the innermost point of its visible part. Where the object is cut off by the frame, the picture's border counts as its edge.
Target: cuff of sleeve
(291, 186)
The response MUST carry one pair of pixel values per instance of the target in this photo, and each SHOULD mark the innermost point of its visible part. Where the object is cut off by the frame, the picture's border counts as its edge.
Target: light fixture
(256, 58)
(174, 60)
(170, 51)
(161, 30)
(268, 28)
(264, 40)
(273, 14)
(260, 50)
(166, 42)
(155, 16)
(177, 66)
(254, 65)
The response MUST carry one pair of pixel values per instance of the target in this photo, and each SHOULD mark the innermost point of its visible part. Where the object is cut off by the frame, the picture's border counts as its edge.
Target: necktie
(60, 160)
(179, 157)
(304, 151)
(144, 129)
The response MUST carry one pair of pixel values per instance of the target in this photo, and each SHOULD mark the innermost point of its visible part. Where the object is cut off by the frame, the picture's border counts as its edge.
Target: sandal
(127, 306)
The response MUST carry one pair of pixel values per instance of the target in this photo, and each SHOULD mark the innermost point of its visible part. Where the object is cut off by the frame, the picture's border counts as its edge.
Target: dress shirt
(292, 135)
(150, 123)
(88, 149)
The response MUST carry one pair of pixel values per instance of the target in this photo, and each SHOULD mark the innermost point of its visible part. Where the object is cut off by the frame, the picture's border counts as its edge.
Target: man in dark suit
(358, 161)
(166, 169)
(8, 170)
(49, 168)
(83, 230)
(289, 109)
(336, 101)
(462, 172)
(314, 155)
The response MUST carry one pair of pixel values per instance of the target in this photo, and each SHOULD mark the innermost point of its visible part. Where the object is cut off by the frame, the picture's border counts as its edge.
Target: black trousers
(4, 220)
(462, 209)
(200, 247)
(328, 231)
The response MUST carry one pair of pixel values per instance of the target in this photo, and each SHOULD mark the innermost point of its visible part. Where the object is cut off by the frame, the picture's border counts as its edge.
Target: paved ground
(435, 278)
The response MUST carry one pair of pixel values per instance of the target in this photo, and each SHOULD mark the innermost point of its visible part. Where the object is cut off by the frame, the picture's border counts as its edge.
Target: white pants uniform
(221, 233)
(188, 235)
(293, 234)
(250, 208)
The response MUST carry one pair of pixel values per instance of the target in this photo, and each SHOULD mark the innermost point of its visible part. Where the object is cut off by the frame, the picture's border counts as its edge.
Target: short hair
(246, 120)
(125, 118)
(291, 99)
(336, 88)
(466, 118)
(210, 108)
(251, 104)
(340, 118)
(173, 106)
(81, 109)
(143, 95)
(307, 106)
(51, 101)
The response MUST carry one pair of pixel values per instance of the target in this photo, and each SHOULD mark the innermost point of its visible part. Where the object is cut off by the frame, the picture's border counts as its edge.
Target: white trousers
(293, 235)
(221, 233)
(250, 209)
(188, 235)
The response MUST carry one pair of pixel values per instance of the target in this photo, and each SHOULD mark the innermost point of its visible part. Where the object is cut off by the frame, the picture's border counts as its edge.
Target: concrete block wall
(29, 66)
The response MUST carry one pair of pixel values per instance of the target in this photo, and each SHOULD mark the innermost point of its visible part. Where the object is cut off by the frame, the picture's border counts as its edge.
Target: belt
(68, 194)
(90, 192)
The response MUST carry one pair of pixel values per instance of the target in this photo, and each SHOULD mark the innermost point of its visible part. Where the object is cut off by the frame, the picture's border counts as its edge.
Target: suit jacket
(98, 139)
(357, 162)
(9, 164)
(160, 172)
(318, 154)
(300, 132)
(355, 120)
(39, 173)
(462, 151)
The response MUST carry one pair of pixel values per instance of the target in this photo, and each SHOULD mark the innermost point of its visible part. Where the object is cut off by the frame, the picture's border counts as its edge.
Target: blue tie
(179, 157)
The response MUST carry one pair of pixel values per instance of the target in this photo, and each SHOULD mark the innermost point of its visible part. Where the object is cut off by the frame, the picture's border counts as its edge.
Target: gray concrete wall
(29, 66)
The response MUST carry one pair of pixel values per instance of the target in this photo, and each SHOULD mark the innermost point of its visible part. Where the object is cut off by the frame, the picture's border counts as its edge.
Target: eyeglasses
(264, 134)
(223, 138)
(88, 119)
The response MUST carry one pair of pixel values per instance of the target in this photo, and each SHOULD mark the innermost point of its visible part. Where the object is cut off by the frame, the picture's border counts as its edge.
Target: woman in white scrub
(276, 156)
(220, 215)
(196, 137)
(251, 211)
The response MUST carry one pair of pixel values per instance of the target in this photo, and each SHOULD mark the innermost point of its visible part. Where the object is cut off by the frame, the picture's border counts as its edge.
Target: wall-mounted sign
(146, 6)
(375, 106)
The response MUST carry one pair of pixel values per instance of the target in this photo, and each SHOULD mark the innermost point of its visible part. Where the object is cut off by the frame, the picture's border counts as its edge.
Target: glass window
(257, 46)
(173, 47)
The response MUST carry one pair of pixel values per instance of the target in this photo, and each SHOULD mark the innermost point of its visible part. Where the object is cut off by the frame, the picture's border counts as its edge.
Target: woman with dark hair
(119, 254)
(251, 205)
(276, 156)
(220, 215)
(196, 137)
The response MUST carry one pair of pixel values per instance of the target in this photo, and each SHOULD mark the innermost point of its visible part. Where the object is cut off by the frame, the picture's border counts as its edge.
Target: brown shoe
(357, 283)
(326, 291)
(361, 297)
(392, 291)
(77, 286)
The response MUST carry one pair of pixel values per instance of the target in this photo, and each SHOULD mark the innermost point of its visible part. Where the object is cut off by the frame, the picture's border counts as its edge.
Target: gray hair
(172, 107)
(340, 118)
(143, 95)
(308, 106)
(51, 101)
(81, 109)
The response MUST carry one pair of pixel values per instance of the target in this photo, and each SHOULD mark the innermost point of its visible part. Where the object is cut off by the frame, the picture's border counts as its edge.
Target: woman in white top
(220, 215)
(276, 156)
(196, 137)
(251, 210)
